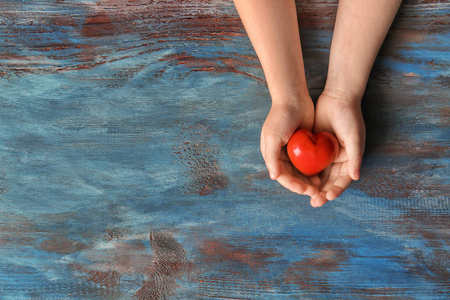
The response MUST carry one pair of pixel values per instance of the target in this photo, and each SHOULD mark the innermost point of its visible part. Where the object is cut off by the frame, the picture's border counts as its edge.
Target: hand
(341, 115)
(283, 120)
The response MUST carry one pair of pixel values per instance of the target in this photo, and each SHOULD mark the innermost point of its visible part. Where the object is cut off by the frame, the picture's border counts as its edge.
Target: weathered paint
(130, 166)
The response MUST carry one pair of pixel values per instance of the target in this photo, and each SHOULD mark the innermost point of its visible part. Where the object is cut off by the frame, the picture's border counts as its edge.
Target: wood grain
(130, 165)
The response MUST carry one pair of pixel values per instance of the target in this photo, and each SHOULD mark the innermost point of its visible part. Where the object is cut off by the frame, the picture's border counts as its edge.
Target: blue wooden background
(130, 164)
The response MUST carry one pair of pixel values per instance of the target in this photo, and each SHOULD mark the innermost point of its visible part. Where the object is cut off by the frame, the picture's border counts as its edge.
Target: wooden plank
(130, 164)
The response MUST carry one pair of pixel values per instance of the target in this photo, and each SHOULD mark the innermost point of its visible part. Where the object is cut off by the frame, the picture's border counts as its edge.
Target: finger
(355, 150)
(319, 200)
(271, 148)
(342, 155)
(324, 176)
(284, 156)
(341, 183)
(332, 177)
(315, 180)
(297, 185)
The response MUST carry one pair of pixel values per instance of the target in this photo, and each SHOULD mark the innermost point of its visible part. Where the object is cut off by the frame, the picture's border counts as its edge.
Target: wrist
(342, 87)
(344, 92)
(292, 98)
(292, 102)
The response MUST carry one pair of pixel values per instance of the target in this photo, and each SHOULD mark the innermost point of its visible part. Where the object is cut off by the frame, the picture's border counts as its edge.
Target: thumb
(271, 153)
(355, 151)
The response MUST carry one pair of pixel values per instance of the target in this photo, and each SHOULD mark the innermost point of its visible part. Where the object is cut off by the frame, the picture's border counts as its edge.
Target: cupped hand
(341, 115)
(283, 120)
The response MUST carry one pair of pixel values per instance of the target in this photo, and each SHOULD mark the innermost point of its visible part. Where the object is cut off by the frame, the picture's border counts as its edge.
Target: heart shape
(312, 153)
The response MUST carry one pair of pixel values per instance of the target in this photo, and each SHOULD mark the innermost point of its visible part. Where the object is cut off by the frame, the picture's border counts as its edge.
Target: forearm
(360, 29)
(273, 30)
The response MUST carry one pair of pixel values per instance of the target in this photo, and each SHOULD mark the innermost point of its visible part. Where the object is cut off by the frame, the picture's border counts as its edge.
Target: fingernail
(272, 175)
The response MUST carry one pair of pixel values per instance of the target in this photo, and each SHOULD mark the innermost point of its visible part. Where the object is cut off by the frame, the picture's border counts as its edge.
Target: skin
(360, 29)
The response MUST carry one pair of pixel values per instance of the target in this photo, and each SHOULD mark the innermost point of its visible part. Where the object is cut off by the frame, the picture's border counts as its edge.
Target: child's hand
(283, 120)
(340, 115)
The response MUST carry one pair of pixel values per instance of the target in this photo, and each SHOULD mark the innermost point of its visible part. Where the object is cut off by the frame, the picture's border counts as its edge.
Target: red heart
(312, 153)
